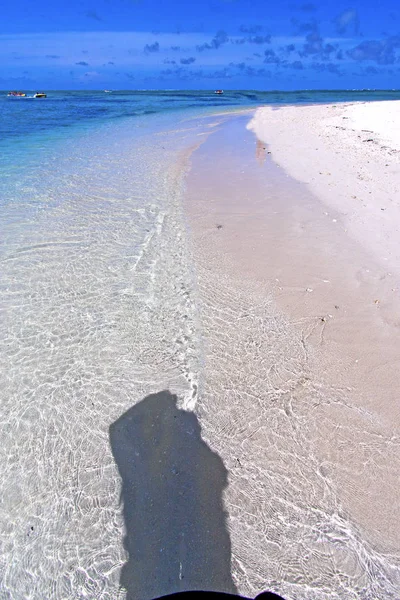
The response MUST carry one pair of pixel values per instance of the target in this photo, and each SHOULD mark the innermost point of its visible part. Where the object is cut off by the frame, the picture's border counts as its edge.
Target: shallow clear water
(98, 310)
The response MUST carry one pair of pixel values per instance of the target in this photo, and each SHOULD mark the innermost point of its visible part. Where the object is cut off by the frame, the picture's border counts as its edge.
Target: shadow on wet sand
(172, 485)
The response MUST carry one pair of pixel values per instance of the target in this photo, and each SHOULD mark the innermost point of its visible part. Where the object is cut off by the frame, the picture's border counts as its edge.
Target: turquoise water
(34, 130)
(22, 117)
(98, 310)
(31, 129)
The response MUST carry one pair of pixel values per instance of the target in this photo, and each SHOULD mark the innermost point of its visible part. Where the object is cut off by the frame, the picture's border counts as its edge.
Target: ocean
(65, 109)
(99, 310)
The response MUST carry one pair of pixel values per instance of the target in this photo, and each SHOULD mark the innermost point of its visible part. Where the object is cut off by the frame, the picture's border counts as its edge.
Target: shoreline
(300, 372)
(137, 265)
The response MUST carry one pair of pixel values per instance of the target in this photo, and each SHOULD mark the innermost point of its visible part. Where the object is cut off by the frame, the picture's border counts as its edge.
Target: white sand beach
(349, 156)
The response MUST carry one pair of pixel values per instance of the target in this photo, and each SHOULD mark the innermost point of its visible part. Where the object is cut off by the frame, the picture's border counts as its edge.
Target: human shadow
(172, 484)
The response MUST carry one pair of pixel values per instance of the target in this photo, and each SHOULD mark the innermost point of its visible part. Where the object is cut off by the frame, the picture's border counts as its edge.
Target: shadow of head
(172, 485)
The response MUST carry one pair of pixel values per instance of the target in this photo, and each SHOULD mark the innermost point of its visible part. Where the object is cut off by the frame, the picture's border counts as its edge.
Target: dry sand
(349, 156)
(299, 305)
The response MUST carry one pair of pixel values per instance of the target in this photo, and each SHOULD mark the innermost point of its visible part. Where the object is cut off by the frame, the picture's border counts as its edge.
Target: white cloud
(125, 48)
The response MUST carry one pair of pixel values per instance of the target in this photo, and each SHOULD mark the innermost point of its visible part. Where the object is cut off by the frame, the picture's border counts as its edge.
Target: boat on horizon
(219, 92)
(23, 95)
(108, 91)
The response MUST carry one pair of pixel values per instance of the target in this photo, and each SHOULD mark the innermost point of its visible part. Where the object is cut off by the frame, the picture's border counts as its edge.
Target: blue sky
(230, 44)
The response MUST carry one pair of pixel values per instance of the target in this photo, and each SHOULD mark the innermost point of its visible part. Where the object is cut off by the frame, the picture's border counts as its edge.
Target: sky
(208, 44)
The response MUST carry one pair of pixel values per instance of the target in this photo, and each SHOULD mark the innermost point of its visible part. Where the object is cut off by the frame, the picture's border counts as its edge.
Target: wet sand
(301, 381)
